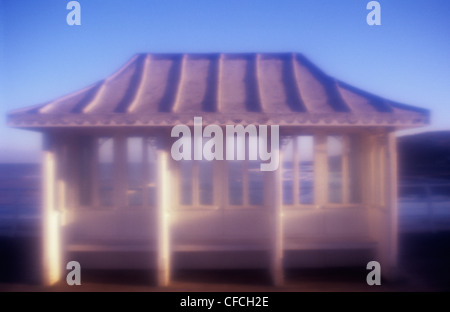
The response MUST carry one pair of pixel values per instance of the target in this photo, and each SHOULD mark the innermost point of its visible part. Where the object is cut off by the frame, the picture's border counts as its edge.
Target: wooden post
(371, 187)
(364, 170)
(346, 185)
(195, 182)
(296, 171)
(358, 169)
(145, 177)
(391, 247)
(218, 186)
(51, 262)
(224, 197)
(163, 225)
(245, 183)
(320, 171)
(94, 146)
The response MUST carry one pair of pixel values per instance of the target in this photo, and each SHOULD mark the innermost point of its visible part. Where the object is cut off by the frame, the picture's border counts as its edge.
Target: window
(135, 172)
(255, 183)
(235, 182)
(85, 170)
(343, 164)
(150, 173)
(141, 172)
(298, 171)
(196, 182)
(305, 151)
(123, 173)
(231, 183)
(206, 182)
(245, 180)
(186, 182)
(335, 159)
(320, 169)
(245, 183)
(106, 171)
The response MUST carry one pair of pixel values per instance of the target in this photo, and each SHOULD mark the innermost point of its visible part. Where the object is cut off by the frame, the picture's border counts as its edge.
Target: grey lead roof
(169, 89)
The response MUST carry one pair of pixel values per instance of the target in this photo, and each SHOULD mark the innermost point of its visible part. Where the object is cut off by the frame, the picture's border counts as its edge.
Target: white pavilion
(115, 198)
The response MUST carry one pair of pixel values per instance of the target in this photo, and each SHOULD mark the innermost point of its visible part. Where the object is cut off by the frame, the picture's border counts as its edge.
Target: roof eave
(405, 120)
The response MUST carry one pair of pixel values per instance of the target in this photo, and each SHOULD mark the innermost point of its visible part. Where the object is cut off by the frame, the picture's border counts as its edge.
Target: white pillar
(163, 225)
(62, 181)
(145, 173)
(51, 240)
(390, 244)
(274, 200)
(383, 201)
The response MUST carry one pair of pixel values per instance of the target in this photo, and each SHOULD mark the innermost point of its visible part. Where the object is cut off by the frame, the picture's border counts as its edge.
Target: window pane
(305, 145)
(152, 173)
(235, 182)
(256, 183)
(354, 164)
(335, 149)
(288, 158)
(106, 171)
(135, 177)
(186, 178)
(85, 170)
(206, 182)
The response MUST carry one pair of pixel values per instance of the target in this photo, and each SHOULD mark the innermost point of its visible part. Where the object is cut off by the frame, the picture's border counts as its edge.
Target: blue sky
(406, 59)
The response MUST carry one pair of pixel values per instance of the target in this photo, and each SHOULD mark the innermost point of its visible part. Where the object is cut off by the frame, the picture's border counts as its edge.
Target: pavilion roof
(169, 89)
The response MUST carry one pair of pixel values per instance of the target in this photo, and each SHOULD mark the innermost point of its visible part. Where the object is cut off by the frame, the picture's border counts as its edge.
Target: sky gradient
(406, 59)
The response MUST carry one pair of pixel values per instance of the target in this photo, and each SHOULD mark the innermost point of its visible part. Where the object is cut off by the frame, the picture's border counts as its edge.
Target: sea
(20, 198)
